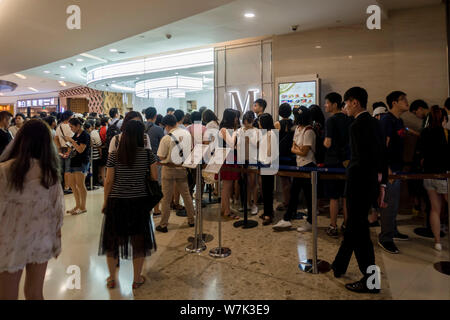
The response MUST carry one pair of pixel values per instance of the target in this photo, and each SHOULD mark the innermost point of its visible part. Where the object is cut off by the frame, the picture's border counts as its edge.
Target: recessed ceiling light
(113, 50)
(62, 67)
(62, 77)
(33, 89)
(177, 73)
(21, 76)
(62, 83)
(46, 71)
(80, 60)
(318, 47)
(350, 57)
(249, 15)
(137, 78)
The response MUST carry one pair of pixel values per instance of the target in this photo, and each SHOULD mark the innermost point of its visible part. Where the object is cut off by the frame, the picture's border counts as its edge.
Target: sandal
(78, 211)
(110, 283)
(232, 216)
(72, 211)
(137, 285)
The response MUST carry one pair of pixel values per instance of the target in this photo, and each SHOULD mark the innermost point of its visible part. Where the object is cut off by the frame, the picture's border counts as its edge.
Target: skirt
(127, 230)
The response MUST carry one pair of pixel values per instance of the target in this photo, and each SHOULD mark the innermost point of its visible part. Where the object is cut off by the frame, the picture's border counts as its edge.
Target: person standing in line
(287, 158)
(31, 210)
(366, 176)
(447, 109)
(394, 132)
(210, 120)
(173, 176)
(18, 122)
(179, 115)
(5, 135)
(379, 108)
(79, 164)
(63, 130)
(228, 125)
(247, 136)
(337, 153)
(265, 122)
(51, 121)
(259, 107)
(303, 147)
(96, 143)
(127, 225)
(155, 134)
(170, 111)
(434, 150)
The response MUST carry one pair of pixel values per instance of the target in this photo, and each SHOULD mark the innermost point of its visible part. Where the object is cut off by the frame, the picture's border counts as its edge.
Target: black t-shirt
(5, 138)
(393, 128)
(81, 158)
(337, 129)
(434, 149)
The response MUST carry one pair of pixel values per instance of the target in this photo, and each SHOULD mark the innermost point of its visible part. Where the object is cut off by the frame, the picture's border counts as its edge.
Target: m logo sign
(236, 101)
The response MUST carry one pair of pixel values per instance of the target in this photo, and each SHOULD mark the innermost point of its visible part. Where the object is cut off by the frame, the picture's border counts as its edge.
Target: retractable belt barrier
(315, 265)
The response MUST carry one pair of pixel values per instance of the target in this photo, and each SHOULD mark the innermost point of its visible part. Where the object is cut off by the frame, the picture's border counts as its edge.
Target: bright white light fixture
(123, 88)
(318, 47)
(62, 67)
(33, 89)
(80, 60)
(62, 83)
(113, 50)
(168, 87)
(206, 72)
(249, 15)
(182, 60)
(21, 76)
(46, 71)
(90, 56)
(62, 77)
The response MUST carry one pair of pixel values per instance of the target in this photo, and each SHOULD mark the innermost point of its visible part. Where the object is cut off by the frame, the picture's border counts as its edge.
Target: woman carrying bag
(129, 197)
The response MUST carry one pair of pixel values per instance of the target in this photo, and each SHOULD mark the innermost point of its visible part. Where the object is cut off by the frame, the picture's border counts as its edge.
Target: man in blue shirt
(394, 133)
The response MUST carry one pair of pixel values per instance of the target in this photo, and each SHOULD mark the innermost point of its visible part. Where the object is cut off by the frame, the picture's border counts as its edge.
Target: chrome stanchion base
(93, 188)
(205, 237)
(220, 252)
(192, 248)
(245, 225)
(426, 232)
(307, 266)
(443, 267)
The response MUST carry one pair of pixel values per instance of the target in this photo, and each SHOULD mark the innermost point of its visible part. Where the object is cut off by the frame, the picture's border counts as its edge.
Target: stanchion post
(220, 252)
(91, 168)
(314, 219)
(444, 266)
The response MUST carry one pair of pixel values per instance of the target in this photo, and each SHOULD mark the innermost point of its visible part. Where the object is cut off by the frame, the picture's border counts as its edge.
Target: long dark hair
(132, 139)
(228, 119)
(266, 121)
(33, 141)
(208, 116)
(130, 115)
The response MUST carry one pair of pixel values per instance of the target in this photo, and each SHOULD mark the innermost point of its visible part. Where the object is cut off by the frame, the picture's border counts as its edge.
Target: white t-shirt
(114, 141)
(305, 137)
(64, 128)
(244, 147)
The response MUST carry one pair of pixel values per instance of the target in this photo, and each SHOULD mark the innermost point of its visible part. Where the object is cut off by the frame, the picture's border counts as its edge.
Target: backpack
(319, 153)
(113, 130)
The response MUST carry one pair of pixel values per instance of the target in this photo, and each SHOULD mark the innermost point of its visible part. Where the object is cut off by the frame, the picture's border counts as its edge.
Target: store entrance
(78, 105)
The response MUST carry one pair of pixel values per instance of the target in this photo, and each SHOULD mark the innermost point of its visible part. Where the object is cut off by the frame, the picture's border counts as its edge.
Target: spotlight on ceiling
(249, 15)
(80, 60)
(113, 50)
(46, 71)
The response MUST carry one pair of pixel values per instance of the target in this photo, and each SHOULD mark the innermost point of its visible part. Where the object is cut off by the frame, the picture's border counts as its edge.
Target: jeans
(267, 193)
(389, 214)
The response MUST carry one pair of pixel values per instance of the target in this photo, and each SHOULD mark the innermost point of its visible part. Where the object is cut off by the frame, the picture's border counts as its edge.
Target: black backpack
(113, 130)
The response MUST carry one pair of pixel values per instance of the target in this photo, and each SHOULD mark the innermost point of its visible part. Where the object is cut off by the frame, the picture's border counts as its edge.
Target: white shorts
(440, 186)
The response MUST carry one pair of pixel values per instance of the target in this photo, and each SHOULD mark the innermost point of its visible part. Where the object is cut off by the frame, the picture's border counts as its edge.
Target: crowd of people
(48, 156)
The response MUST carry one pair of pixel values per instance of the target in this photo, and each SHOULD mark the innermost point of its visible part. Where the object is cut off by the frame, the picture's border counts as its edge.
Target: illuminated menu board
(42, 102)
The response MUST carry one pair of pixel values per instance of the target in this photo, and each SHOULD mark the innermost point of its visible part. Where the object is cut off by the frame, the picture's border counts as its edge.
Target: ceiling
(224, 21)
(35, 31)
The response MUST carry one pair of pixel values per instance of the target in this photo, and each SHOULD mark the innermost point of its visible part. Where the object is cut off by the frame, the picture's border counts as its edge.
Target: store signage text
(236, 101)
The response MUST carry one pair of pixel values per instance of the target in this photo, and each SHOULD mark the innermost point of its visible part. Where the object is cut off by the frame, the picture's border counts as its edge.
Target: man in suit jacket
(366, 177)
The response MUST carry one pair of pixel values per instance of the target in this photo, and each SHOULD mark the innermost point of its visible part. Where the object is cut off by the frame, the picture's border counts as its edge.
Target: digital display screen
(298, 93)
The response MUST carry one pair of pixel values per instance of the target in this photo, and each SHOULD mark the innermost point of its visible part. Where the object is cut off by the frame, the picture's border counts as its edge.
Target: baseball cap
(378, 111)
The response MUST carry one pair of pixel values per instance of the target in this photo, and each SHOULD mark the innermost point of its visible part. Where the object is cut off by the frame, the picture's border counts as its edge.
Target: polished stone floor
(263, 263)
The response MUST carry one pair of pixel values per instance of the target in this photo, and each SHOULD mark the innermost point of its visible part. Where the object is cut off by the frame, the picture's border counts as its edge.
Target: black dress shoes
(336, 273)
(360, 287)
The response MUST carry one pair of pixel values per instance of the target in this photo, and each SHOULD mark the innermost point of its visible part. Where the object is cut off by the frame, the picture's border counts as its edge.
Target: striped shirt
(129, 182)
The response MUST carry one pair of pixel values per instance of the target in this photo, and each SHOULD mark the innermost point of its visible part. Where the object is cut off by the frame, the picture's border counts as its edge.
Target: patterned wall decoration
(113, 100)
(95, 97)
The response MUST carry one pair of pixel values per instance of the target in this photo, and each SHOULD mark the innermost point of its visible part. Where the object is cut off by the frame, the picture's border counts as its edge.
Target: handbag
(154, 190)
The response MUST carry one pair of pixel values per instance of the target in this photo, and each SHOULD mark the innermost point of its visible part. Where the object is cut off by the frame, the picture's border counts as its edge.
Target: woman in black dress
(127, 226)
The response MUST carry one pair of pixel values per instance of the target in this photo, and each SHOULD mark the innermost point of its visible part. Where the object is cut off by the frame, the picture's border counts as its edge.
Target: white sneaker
(305, 228)
(438, 247)
(254, 210)
(282, 224)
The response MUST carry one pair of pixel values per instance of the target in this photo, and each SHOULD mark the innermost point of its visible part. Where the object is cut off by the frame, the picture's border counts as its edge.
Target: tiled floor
(263, 264)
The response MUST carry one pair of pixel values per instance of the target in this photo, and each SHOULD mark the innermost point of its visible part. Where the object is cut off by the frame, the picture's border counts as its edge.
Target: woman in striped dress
(127, 225)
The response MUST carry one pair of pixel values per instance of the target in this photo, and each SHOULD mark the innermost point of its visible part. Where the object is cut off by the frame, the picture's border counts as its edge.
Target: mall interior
(92, 57)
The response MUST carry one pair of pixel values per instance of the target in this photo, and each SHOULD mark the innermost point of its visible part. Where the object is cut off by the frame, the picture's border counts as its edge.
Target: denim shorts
(83, 169)
(440, 186)
(66, 164)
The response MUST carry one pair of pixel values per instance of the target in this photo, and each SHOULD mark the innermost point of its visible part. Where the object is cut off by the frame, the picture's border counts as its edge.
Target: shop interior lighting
(169, 87)
(62, 83)
(33, 89)
(249, 15)
(183, 60)
(21, 76)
